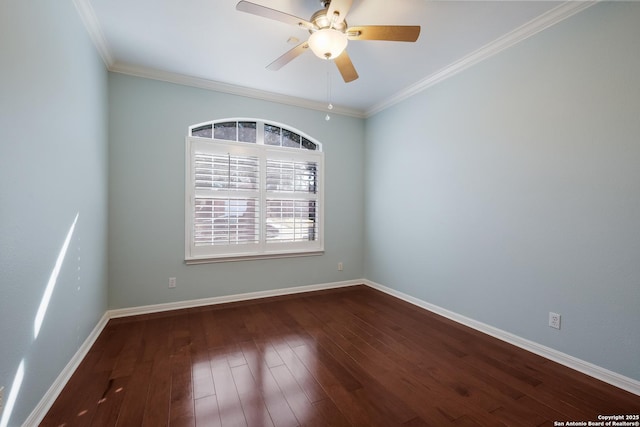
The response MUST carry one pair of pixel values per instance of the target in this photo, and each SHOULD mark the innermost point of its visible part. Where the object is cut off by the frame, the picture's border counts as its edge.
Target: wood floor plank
(77, 409)
(202, 377)
(156, 411)
(294, 395)
(231, 413)
(344, 357)
(130, 352)
(69, 409)
(113, 344)
(281, 413)
(355, 409)
(331, 413)
(269, 354)
(110, 403)
(207, 412)
(214, 329)
(181, 407)
(255, 410)
(309, 386)
(135, 399)
(362, 366)
(441, 411)
(403, 359)
(154, 339)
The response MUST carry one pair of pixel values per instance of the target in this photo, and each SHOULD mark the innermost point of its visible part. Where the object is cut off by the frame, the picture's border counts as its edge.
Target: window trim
(264, 249)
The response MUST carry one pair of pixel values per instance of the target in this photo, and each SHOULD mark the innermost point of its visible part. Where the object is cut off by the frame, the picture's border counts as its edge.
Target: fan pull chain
(330, 105)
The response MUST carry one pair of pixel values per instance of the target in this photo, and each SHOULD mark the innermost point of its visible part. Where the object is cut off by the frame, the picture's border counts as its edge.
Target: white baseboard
(54, 391)
(157, 308)
(38, 414)
(620, 381)
(610, 377)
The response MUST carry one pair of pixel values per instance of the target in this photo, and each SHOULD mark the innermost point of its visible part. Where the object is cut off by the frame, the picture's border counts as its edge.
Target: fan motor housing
(321, 20)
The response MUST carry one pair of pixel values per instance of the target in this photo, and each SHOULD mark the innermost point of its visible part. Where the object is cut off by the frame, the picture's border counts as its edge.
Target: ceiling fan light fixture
(328, 43)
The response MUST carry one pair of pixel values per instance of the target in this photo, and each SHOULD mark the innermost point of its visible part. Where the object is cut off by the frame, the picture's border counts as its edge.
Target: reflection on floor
(352, 357)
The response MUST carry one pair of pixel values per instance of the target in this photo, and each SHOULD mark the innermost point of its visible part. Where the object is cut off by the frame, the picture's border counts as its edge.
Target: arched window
(253, 190)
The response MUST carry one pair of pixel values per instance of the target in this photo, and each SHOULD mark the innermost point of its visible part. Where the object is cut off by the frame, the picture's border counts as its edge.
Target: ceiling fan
(330, 33)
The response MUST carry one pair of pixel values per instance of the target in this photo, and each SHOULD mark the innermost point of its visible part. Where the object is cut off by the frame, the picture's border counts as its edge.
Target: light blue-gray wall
(148, 123)
(513, 189)
(503, 193)
(53, 168)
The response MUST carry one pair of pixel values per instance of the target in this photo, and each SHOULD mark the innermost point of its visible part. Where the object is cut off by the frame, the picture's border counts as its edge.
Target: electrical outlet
(340, 266)
(172, 282)
(554, 320)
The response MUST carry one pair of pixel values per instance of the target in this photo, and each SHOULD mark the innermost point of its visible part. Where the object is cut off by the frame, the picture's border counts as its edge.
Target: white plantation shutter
(292, 201)
(227, 209)
(252, 200)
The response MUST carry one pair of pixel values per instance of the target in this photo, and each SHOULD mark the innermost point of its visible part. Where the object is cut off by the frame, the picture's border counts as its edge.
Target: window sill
(233, 258)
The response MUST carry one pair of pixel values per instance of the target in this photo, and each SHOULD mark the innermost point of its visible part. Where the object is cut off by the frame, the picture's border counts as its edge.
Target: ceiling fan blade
(265, 12)
(344, 64)
(288, 56)
(341, 7)
(396, 33)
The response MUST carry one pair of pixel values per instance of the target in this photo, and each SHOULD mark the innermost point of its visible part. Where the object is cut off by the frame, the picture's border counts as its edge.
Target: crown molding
(542, 22)
(198, 82)
(88, 17)
(536, 25)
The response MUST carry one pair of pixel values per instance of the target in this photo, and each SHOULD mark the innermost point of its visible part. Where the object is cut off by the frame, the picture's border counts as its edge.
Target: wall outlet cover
(554, 320)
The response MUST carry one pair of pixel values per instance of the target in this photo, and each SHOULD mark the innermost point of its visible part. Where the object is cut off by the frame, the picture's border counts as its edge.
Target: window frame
(235, 252)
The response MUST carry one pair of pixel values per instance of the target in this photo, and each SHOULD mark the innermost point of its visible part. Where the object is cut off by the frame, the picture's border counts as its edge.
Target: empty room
(304, 212)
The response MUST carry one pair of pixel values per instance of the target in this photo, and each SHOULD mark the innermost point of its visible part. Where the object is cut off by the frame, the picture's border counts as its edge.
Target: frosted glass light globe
(328, 43)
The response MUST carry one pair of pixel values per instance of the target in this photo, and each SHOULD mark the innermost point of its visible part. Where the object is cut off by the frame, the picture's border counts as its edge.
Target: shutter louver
(226, 207)
(292, 202)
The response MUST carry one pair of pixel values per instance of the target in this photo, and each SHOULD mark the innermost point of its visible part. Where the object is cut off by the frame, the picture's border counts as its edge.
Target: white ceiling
(208, 43)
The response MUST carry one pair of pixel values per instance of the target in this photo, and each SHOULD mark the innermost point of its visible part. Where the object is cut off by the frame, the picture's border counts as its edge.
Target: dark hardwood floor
(348, 357)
